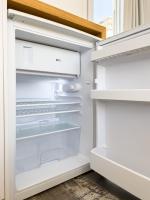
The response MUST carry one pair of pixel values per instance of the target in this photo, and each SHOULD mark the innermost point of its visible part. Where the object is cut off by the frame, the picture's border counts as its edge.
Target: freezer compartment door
(37, 57)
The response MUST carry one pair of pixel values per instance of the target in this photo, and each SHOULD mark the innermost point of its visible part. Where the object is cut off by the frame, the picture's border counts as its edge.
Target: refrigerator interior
(50, 138)
(47, 120)
(54, 125)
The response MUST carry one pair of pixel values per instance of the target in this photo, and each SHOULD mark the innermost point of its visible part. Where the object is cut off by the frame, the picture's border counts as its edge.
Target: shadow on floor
(89, 186)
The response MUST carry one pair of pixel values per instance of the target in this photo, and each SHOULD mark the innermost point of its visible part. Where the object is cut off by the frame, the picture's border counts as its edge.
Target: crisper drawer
(33, 56)
(34, 152)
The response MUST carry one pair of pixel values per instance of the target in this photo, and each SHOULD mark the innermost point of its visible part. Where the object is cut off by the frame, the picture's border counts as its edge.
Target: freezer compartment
(43, 58)
(34, 153)
(129, 72)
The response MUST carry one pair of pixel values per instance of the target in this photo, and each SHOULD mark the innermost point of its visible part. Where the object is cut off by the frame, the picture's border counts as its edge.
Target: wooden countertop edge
(40, 9)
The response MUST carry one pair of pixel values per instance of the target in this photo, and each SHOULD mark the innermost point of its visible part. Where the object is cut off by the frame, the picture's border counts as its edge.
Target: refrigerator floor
(89, 186)
(49, 175)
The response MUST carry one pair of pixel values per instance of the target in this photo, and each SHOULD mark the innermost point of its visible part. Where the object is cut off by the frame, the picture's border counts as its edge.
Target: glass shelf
(39, 129)
(63, 99)
(31, 114)
(44, 102)
(32, 104)
(29, 108)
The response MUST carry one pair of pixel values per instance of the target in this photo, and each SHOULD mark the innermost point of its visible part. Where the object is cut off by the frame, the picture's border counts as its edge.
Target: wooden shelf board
(40, 9)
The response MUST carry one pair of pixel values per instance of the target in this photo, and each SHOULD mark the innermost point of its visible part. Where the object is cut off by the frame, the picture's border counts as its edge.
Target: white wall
(77, 7)
(2, 19)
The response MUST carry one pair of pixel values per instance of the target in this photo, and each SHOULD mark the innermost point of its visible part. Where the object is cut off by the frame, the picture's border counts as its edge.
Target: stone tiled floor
(89, 186)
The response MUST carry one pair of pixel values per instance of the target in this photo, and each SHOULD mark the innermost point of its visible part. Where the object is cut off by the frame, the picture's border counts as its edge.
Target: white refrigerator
(75, 103)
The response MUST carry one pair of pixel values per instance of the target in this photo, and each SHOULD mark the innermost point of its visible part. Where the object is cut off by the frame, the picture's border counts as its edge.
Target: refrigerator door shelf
(108, 164)
(124, 47)
(137, 95)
